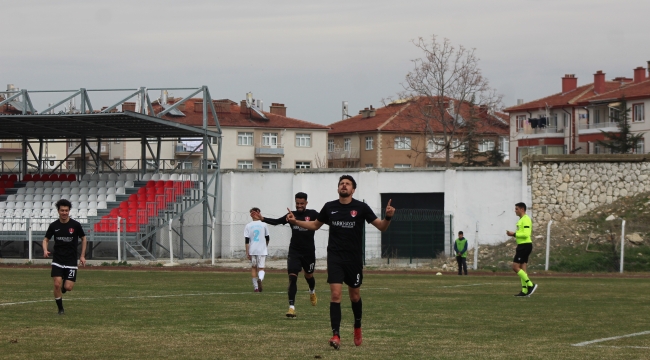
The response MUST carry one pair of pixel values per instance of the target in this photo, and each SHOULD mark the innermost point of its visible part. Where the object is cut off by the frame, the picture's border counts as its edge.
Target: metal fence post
(214, 237)
(29, 237)
(119, 243)
(548, 243)
(171, 245)
(476, 248)
(622, 244)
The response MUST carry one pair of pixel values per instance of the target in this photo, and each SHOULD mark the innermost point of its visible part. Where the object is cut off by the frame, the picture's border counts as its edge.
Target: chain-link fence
(416, 234)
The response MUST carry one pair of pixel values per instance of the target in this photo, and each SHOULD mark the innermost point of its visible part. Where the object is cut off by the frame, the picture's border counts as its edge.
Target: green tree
(623, 141)
(494, 157)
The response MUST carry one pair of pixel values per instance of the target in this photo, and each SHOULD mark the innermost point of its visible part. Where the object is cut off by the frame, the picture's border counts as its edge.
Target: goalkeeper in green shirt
(524, 248)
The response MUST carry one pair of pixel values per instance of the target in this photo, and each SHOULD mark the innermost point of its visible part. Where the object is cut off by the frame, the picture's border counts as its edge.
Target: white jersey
(256, 232)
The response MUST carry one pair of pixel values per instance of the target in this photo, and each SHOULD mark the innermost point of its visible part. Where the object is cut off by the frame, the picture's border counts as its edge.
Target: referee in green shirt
(524, 248)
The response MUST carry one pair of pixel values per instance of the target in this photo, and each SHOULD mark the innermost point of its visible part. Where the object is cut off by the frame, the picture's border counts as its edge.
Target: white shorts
(258, 261)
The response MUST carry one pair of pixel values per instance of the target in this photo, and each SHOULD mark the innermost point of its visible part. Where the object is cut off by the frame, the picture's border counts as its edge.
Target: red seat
(169, 183)
(5, 177)
(72, 177)
(112, 226)
(151, 183)
(124, 205)
(54, 177)
(133, 204)
(160, 191)
(113, 213)
(13, 177)
(45, 177)
(151, 197)
(160, 184)
(133, 211)
(36, 177)
(169, 195)
(27, 177)
(9, 184)
(2, 191)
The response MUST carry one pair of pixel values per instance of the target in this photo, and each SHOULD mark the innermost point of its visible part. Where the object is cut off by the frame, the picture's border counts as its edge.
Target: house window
(269, 164)
(486, 145)
(245, 164)
(567, 119)
(640, 148)
(402, 166)
(521, 121)
(347, 143)
(368, 142)
(187, 165)
(368, 165)
(596, 116)
(639, 114)
(402, 143)
(212, 165)
(613, 114)
(213, 140)
(435, 145)
(245, 138)
(270, 139)
(330, 145)
(457, 146)
(303, 140)
(505, 145)
(303, 164)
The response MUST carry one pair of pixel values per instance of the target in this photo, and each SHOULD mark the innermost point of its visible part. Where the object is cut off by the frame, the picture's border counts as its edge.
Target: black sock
(311, 282)
(335, 317)
(59, 303)
(357, 311)
(293, 288)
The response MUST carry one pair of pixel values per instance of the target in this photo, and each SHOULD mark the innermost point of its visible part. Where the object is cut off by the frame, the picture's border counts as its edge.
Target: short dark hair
(460, 233)
(349, 177)
(301, 195)
(521, 205)
(255, 209)
(63, 202)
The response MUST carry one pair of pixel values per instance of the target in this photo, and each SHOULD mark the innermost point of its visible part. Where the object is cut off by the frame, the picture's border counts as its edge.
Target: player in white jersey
(256, 234)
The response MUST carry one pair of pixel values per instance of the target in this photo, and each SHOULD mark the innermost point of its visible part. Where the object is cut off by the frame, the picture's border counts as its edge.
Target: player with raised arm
(302, 251)
(345, 217)
(66, 233)
(256, 248)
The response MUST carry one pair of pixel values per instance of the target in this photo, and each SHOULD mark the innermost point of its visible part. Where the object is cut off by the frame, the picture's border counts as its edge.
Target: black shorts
(339, 272)
(523, 252)
(297, 262)
(65, 273)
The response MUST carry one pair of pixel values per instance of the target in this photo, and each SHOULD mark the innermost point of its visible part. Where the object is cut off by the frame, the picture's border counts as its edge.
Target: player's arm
(382, 225)
(45, 252)
(309, 225)
(464, 249)
(247, 244)
(456, 248)
(268, 237)
(278, 221)
(82, 257)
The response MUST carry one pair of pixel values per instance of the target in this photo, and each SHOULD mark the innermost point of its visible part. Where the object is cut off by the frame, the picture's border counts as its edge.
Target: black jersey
(302, 240)
(346, 228)
(66, 238)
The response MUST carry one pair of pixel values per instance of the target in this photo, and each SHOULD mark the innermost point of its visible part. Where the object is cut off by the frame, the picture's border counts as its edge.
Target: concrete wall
(483, 195)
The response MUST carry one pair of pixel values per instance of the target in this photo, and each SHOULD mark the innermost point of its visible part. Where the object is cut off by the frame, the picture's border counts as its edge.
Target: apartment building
(394, 136)
(572, 121)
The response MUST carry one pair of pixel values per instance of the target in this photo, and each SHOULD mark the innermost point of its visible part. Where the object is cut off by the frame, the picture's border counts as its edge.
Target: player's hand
(46, 253)
(82, 260)
(390, 211)
(510, 233)
(248, 256)
(257, 215)
(290, 217)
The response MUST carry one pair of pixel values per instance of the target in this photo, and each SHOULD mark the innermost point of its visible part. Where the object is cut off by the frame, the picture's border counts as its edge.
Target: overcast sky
(313, 55)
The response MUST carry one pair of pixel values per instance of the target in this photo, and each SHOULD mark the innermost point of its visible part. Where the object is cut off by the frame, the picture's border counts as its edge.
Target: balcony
(269, 149)
(599, 125)
(186, 148)
(340, 153)
(527, 130)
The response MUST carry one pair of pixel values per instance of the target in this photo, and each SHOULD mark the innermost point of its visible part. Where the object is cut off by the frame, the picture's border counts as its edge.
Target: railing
(339, 153)
(269, 149)
(599, 125)
(541, 130)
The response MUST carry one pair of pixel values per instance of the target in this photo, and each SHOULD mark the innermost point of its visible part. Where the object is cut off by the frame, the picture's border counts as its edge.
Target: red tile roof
(632, 91)
(406, 117)
(228, 113)
(570, 98)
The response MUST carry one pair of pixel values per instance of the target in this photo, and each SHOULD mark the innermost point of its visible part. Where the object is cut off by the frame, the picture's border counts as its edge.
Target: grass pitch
(134, 314)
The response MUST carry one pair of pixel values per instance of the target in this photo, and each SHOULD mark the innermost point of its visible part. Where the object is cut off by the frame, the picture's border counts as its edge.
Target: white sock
(312, 291)
(292, 307)
(261, 274)
(255, 282)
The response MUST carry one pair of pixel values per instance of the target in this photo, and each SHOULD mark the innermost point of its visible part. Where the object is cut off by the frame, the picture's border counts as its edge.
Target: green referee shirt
(524, 230)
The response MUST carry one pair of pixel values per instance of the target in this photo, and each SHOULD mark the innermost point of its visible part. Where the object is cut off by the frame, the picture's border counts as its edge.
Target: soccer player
(256, 249)
(345, 218)
(302, 251)
(524, 248)
(66, 233)
(460, 247)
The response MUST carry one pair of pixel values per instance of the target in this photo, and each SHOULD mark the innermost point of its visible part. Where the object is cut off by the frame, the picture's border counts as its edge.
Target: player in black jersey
(66, 233)
(345, 218)
(302, 251)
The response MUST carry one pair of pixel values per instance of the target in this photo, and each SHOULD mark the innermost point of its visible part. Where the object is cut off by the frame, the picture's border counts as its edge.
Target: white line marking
(623, 347)
(453, 286)
(610, 338)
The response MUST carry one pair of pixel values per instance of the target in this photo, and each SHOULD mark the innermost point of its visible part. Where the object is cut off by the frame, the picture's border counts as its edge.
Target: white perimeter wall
(483, 195)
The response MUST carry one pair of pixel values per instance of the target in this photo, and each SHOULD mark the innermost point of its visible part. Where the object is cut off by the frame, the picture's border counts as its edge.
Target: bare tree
(441, 86)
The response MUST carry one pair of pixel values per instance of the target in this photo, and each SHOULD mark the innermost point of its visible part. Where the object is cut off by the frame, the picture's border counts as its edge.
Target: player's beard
(347, 194)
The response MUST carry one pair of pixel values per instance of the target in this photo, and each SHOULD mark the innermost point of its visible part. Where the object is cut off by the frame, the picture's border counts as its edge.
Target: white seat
(20, 197)
(39, 190)
(101, 197)
(29, 197)
(38, 197)
(104, 176)
(28, 205)
(30, 184)
(83, 205)
(12, 204)
(9, 212)
(3, 204)
(92, 212)
(120, 191)
(76, 184)
(2, 212)
(47, 184)
(27, 212)
(92, 183)
(146, 177)
(86, 177)
(92, 190)
(155, 177)
(131, 176)
(119, 183)
(18, 213)
(83, 197)
(48, 190)
(47, 198)
(122, 177)
(83, 184)
(75, 190)
(11, 197)
(38, 205)
(75, 204)
(46, 205)
(92, 204)
(109, 183)
(57, 191)
(83, 191)
(74, 197)
(31, 190)
(110, 191)
(95, 177)
(173, 177)
(129, 184)
(19, 205)
(164, 177)
(21, 190)
(73, 212)
(82, 213)
(67, 184)
(110, 197)
(112, 176)
(101, 205)
(39, 184)
(92, 197)
(66, 191)
(56, 184)
(102, 190)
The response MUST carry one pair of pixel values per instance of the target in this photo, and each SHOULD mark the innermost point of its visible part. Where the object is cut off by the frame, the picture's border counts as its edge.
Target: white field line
(585, 343)
(157, 296)
(623, 347)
